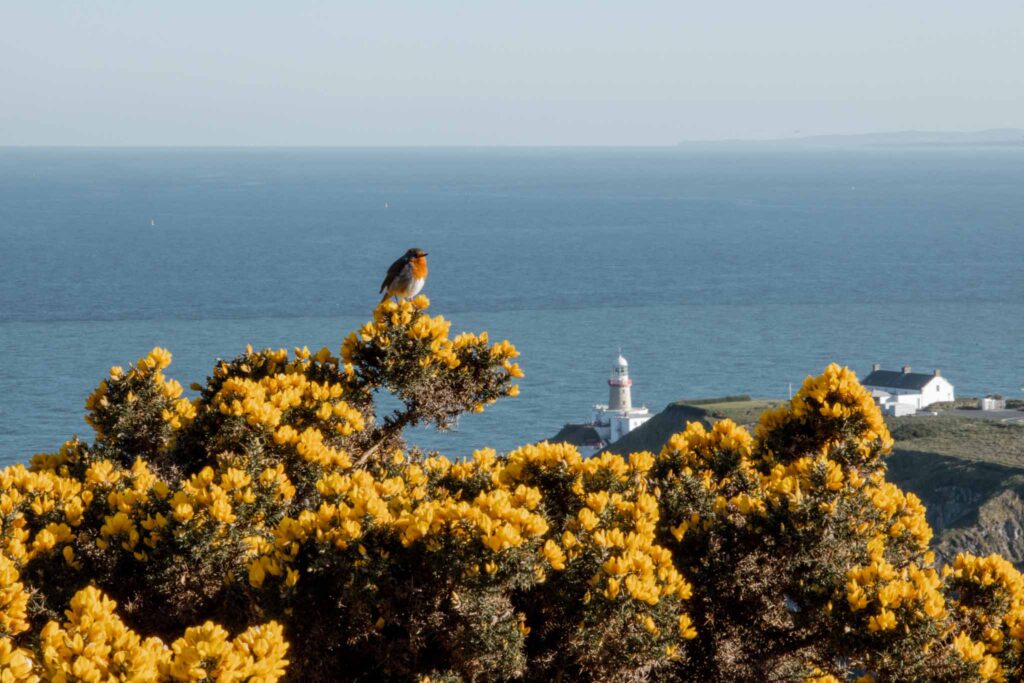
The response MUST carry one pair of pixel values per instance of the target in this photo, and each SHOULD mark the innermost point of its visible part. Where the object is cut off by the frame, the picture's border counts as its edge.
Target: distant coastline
(997, 137)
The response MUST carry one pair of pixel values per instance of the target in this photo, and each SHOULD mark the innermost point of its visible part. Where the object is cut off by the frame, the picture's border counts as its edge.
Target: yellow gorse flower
(402, 334)
(266, 477)
(94, 644)
(13, 600)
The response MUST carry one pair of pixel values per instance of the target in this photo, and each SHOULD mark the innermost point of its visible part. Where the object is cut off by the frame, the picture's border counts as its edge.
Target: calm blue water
(717, 270)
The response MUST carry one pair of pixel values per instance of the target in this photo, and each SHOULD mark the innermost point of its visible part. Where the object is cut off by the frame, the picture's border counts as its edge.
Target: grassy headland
(969, 472)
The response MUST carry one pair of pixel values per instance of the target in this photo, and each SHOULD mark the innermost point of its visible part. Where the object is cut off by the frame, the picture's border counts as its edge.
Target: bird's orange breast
(419, 267)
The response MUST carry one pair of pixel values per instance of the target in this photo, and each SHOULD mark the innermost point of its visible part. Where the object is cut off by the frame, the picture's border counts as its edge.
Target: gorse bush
(276, 527)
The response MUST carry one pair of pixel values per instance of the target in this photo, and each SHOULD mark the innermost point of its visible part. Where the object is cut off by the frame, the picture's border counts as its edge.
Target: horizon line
(667, 145)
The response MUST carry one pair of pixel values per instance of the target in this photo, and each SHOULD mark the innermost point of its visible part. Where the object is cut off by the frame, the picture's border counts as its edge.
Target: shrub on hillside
(275, 526)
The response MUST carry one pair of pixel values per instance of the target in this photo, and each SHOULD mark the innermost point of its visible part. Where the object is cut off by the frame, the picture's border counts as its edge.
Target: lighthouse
(608, 422)
(619, 397)
(613, 421)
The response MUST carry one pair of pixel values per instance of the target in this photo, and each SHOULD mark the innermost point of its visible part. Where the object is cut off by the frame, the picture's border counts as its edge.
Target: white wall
(939, 389)
(898, 409)
(914, 399)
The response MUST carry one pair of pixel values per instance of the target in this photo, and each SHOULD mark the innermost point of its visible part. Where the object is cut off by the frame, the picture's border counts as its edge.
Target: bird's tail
(385, 297)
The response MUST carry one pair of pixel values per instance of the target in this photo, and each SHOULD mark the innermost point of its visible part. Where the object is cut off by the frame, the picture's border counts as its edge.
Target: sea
(718, 269)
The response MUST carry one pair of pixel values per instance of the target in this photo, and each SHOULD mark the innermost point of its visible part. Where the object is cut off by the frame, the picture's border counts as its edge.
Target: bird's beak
(426, 254)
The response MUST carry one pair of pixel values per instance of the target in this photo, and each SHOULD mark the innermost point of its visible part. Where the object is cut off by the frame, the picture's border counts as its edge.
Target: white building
(992, 403)
(905, 392)
(618, 417)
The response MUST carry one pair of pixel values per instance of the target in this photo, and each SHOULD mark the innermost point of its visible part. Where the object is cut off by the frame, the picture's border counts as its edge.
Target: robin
(406, 276)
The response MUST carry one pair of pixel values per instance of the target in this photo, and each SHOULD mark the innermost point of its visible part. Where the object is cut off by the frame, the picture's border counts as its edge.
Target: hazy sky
(223, 72)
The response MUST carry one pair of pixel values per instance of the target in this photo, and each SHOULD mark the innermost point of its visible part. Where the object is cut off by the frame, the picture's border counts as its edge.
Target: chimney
(937, 373)
(875, 367)
(906, 369)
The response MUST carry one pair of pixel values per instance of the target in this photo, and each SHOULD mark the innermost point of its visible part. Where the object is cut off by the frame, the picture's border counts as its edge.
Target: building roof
(894, 379)
(578, 435)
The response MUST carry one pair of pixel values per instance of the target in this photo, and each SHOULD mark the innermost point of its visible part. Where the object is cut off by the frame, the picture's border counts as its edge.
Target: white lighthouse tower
(618, 386)
(618, 417)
